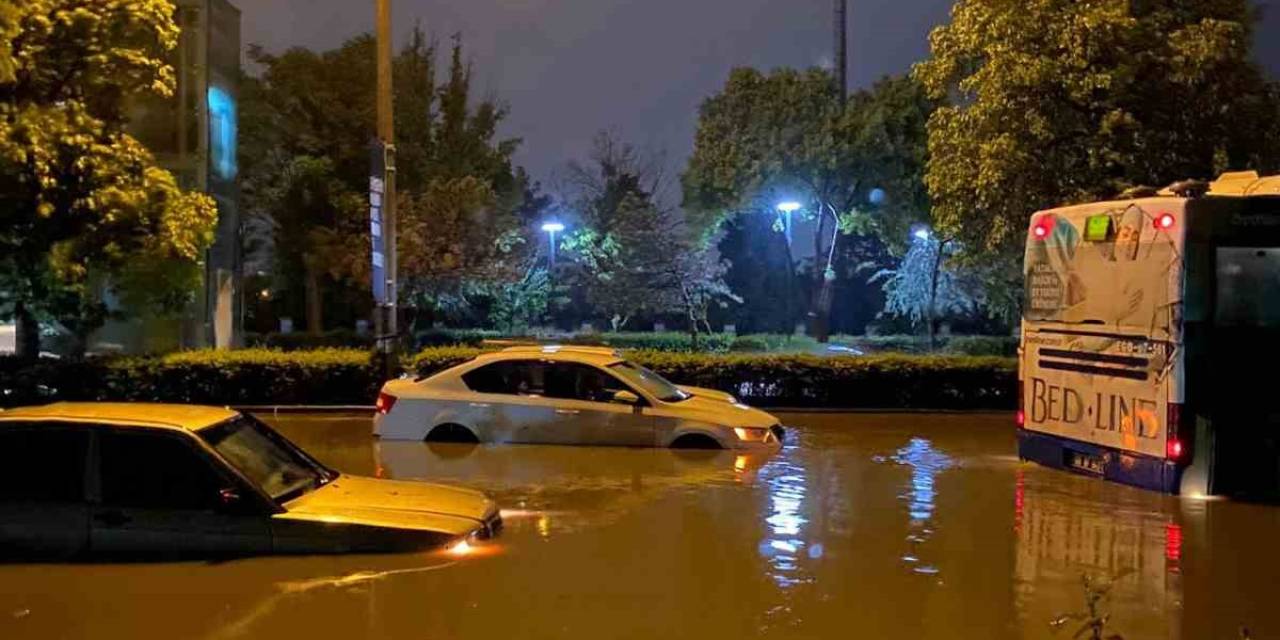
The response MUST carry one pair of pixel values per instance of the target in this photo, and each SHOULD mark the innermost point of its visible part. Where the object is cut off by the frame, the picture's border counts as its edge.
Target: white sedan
(567, 395)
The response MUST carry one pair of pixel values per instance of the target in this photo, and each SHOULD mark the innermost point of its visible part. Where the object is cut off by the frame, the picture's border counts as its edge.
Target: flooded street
(872, 526)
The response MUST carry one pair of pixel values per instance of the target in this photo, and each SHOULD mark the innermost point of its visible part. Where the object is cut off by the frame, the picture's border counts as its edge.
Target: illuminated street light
(786, 209)
(552, 228)
(921, 233)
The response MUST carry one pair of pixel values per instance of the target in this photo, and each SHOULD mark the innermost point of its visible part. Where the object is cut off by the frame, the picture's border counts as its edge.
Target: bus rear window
(1248, 291)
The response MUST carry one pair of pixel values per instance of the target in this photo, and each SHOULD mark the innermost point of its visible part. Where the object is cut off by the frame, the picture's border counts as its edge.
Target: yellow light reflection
(740, 463)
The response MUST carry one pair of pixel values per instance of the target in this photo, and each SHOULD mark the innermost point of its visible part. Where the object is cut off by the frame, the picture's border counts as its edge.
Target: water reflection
(784, 544)
(1070, 526)
(926, 462)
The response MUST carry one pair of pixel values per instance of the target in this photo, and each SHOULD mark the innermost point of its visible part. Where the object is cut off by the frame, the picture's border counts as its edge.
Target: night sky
(570, 68)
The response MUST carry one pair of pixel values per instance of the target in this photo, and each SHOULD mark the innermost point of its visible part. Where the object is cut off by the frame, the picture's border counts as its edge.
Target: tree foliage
(785, 135)
(926, 284)
(463, 204)
(1052, 102)
(632, 254)
(82, 204)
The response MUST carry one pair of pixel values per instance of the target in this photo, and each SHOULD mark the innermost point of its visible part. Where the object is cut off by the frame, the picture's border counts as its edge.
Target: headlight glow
(750, 434)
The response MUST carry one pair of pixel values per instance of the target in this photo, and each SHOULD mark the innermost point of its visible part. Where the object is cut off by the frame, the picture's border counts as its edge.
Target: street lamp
(552, 228)
(921, 233)
(786, 209)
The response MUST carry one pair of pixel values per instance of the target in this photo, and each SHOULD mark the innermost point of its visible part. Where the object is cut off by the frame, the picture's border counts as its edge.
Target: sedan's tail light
(385, 402)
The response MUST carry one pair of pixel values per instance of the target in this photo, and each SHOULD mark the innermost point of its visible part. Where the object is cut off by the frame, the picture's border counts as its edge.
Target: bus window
(1248, 291)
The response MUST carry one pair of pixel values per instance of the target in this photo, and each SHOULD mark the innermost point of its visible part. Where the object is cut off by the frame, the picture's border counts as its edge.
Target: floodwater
(864, 526)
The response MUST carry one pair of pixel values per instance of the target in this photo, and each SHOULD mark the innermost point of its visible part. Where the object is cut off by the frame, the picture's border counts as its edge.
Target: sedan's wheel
(695, 441)
(452, 433)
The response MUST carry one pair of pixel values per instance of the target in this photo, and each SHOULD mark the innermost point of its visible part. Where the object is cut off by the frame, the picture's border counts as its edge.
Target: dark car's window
(155, 471)
(573, 381)
(42, 463)
(512, 377)
(277, 466)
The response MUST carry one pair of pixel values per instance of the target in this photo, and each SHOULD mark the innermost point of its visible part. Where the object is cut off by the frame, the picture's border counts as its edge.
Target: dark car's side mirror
(230, 501)
(626, 397)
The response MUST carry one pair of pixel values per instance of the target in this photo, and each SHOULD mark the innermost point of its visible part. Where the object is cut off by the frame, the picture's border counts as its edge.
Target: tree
(924, 286)
(785, 135)
(767, 137)
(1056, 102)
(83, 207)
(463, 203)
(694, 278)
(622, 237)
(888, 128)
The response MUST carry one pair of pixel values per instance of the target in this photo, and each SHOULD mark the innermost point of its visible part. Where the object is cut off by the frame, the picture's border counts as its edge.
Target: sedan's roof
(179, 416)
(600, 356)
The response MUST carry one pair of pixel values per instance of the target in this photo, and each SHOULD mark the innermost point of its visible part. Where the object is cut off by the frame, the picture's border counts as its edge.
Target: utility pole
(386, 318)
(841, 47)
(820, 315)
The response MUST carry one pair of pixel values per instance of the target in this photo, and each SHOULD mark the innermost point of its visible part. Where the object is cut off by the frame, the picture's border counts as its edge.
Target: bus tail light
(1174, 448)
(1043, 226)
(1165, 221)
(385, 402)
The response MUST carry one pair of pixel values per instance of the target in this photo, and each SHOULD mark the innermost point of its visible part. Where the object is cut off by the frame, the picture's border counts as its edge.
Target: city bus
(1151, 339)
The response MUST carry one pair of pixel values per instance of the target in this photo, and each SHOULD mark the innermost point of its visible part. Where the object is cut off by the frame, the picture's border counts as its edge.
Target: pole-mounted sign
(377, 191)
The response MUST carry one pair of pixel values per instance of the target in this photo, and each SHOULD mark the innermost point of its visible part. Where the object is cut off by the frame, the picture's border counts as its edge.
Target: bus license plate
(1086, 463)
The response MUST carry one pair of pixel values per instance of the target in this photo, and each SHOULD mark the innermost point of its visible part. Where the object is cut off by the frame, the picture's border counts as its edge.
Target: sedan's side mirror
(626, 397)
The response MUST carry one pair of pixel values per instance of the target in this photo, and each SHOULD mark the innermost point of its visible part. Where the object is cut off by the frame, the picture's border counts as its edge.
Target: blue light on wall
(222, 133)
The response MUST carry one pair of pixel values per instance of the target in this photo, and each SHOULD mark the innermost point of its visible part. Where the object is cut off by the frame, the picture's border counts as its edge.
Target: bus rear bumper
(1146, 472)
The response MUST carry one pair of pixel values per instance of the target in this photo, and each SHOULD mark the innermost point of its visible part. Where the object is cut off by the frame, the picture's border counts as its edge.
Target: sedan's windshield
(267, 458)
(652, 383)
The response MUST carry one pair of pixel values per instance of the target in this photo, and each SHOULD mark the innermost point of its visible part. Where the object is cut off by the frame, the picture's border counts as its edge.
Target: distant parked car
(144, 479)
(567, 395)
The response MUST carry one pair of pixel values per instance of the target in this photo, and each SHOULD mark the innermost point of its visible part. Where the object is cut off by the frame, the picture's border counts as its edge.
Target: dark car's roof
(177, 416)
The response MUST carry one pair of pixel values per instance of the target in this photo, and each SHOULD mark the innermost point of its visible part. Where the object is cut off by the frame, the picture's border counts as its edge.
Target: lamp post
(552, 228)
(786, 209)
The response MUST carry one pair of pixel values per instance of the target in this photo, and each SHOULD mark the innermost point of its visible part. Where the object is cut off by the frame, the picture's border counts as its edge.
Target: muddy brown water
(864, 526)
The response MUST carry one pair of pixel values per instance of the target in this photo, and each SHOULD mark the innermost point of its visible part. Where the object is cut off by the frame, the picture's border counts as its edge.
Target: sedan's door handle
(112, 518)
(480, 405)
(567, 412)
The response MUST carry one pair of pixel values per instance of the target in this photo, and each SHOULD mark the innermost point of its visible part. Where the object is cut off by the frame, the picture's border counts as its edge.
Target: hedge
(849, 382)
(666, 341)
(341, 377)
(243, 377)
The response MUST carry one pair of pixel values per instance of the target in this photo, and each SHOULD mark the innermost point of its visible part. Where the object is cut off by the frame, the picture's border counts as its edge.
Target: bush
(886, 344)
(453, 337)
(1006, 346)
(666, 341)
(749, 344)
(337, 339)
(781, 343)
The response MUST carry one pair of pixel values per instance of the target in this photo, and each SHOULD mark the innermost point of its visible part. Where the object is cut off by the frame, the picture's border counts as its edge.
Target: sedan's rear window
(510, 377)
